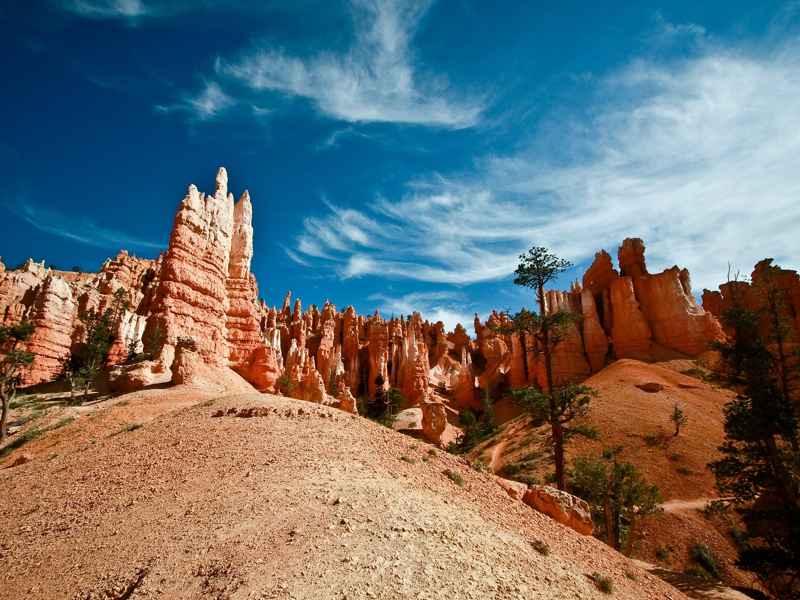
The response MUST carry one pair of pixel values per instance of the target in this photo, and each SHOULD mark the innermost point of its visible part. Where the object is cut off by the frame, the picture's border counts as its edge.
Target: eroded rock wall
(202, 288)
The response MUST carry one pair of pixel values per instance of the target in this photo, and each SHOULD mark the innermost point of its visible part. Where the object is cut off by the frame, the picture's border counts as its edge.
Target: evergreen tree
(12, 362)
(86, 361)
(760, 464)
(617, 494)
(678, 418)
(536, 269)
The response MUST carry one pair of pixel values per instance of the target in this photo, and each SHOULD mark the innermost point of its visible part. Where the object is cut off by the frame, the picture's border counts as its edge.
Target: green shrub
(541, 547)
(480, 466)
(20, 440)
(455, 477)
(715, 508)
(662, 553)
(62, 423)
(603, 583)
(704, 557)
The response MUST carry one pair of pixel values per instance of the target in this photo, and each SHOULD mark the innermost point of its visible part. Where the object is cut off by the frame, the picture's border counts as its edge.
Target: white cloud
(444, 306)
(375, 81)
(697, 157)
(667, 32)
(333, 140)
(134, 12)
(207, 104)
(81, 230)
(109, 9)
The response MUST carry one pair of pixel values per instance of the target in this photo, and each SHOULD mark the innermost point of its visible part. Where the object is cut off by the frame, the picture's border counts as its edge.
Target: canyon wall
(201, 288)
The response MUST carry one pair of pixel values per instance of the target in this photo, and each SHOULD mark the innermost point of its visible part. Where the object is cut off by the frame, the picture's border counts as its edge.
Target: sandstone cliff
(202, 288)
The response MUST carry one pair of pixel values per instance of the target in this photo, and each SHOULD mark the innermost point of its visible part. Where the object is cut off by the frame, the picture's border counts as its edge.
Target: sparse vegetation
(99, 332)
(617, 493)
(543, 332)
(761, 451)
(20, 440)
(62, 423)
(559, 408)
(480, 466)
(705, 559)
(152, 343)
(12, 364)
(541, 547)
(678, 418)
(475, 428)
(656, 440)
(602, 583)
(662, 553)
(408, 459)
(714, 509)
(455, 477)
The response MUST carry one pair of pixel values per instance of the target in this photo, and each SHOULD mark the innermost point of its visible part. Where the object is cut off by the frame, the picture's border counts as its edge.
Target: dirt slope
(301, 502)
(634, 403)
(627, 415)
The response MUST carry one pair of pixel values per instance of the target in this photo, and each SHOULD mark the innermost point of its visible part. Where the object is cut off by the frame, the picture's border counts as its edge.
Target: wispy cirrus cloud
(110, 9)
(697, 156)
(335, 137)
(376, 80)
(81, 230)
(207, 104)
(131, 11)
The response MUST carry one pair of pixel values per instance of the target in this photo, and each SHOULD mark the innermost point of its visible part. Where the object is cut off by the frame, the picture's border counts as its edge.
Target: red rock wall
(202, 288)
(192, 299)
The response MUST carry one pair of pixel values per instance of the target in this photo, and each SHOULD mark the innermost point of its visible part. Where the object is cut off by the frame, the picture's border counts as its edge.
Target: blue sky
(400, 155)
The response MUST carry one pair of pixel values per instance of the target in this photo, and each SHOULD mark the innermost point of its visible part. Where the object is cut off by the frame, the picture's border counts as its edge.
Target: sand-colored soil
(300, 502)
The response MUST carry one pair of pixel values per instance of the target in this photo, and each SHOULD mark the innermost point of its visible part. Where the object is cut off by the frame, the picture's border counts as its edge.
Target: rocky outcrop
(202, 288)
(53, 314)
(561, 506)
(243, 315)
(192, 297)
(630, 332)
(768, 283)
(515, 489)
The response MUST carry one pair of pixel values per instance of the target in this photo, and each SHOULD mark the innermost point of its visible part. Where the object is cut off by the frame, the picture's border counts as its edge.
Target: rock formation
(192, 298)
(202, 288)
(561, 506)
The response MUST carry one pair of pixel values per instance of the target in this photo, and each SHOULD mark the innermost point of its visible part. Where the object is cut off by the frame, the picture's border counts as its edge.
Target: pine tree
(536, 269)
(760, 464)
(88, 358)
(12, 362)
(617, 493)
(678, 418)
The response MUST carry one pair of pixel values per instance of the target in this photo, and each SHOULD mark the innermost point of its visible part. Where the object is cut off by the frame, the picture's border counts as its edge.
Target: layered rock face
(771, 290)
(192, 298)
(625, 313)
(202, 288)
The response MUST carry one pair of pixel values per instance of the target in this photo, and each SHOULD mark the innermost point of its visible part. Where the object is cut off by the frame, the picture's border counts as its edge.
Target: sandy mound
(301, 501)
(633, 408)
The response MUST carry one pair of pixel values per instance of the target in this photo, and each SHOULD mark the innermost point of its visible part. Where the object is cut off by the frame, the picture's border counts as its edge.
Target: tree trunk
(783, 365)
(4, 415)
(555, 422)
(631, 537)
(609, 517)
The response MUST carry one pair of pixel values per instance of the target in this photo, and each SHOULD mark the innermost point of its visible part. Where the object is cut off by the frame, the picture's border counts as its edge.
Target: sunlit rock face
(202, 288)
(192, 299)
